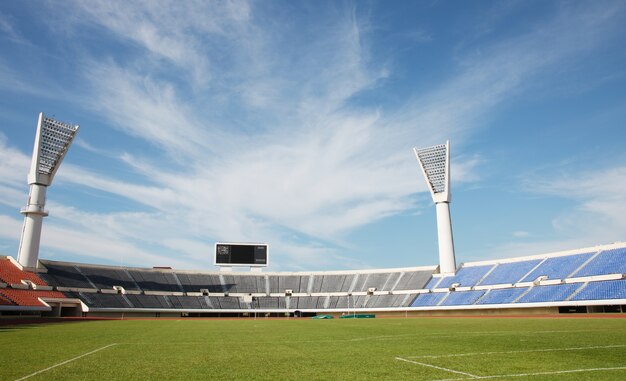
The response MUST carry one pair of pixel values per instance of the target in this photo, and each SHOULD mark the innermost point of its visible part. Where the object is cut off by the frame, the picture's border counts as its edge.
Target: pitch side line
(536, 374)
(438, 367)
(65, 362)
(510, 352)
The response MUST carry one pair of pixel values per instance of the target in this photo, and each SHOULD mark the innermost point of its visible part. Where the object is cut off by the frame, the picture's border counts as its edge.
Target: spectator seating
(5, 301)
(194, 282)
(64, 275)
(465, 276)
(107, 277)
(105, 300)
(244, 284)
(380, 281)
(603, 290)
(502, 295)
(552, 293)
(155, 280)
(558, 267)
(459, 298)
(607, 262)
(11, 274)
(479, 284)
(428, 299)
(28, 298)
(413, 280)
(510, 272)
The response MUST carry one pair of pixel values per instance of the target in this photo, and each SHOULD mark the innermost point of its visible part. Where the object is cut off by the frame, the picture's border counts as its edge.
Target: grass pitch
(304, 349)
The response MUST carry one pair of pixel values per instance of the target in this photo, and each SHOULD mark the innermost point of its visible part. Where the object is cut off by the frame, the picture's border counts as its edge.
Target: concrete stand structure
(435, 164)
(52, 141)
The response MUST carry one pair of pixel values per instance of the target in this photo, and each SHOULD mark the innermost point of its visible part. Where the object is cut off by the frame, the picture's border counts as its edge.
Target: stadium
(263, 190)
(581, 282)
(577, 281)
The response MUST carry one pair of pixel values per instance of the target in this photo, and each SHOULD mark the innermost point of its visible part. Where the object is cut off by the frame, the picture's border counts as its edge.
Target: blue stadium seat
(607, 262)
(509, 273)
(466, 276)
(431, 283)
(558, 267)
(603, 290)
(502, 295)
(430, 299)
(552, 293)
(458, 298)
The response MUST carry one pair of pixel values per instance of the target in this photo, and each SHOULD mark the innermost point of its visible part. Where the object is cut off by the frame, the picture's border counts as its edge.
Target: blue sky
(293, 123)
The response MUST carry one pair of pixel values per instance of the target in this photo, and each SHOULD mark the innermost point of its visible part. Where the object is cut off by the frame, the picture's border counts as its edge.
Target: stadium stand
(429, 299)
(279, 284)
(5, 301)
(155, 280)
(148, 301)
(188, 302)
(592, 277)
(550, 293)
(433, 282)
(228, 302)
(106, 278)
(509, 273)
(11, 274)
(105, 300)
(502, 295)
(336, 283)
(23, 288)
(28, 297)
(606, 262)
(413, 280)
(558, 267)
(64, 275)
(465, 276)
(194, 282)
(459, 298)
(603, 290)
(244, 284)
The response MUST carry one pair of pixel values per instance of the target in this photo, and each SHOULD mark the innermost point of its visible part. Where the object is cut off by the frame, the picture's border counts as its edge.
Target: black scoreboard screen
(240, 254)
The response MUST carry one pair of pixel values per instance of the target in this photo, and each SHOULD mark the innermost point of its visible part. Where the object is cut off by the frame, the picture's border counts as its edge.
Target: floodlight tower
(435, 164)
(52, 140)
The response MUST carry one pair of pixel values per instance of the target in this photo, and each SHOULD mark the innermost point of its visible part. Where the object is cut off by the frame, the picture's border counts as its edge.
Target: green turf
(305, 349)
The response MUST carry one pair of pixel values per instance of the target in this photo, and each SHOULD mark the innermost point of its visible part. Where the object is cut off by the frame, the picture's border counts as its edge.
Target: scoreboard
(241, 254)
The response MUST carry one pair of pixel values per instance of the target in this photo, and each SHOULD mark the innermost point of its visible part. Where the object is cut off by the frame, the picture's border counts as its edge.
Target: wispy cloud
(598, 216)
(260, 138)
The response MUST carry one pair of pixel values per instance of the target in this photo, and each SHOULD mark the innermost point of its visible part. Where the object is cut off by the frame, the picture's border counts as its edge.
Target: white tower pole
(435, 164)
(52, 140)
(33, 213)
(447, 264)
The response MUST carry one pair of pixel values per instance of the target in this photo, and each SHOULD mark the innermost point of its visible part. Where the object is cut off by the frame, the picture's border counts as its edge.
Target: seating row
(598, 290)
(587, 264)
(73, 275)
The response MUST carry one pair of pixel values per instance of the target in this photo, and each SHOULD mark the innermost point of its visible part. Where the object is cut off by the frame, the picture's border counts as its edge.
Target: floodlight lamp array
(434, 163)
(56, 138)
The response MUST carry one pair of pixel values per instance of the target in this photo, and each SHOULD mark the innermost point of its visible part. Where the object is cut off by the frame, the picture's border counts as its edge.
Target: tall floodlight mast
(435, 164)
(52, 140)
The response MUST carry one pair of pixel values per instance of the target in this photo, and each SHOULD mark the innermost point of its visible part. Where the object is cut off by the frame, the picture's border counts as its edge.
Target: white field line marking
(65, 362)
(510, 352)
(437, 367)
(503, 333)
(537, 373)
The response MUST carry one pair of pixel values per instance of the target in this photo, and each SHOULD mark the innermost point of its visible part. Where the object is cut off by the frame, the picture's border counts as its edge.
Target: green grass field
(304, 349)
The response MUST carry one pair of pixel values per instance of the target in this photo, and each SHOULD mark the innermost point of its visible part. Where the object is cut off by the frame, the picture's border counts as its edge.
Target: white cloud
(601, 211)
(297, 161)
(598, 217)
(521, 234)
